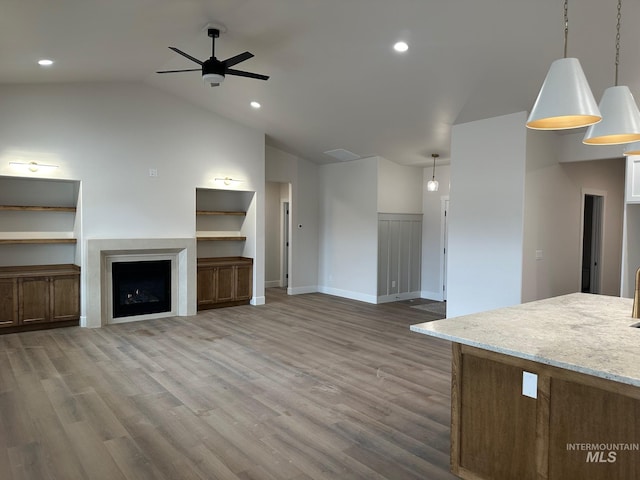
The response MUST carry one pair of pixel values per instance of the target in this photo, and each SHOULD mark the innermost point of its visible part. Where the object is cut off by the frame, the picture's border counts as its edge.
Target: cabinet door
(244, 282)
(497, 424)
(33, 295)
(225, 284)
(8, 302)
(206, 285)
(65, 298)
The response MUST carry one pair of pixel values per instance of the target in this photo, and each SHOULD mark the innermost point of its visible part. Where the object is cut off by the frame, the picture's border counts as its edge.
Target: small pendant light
(620, 115)
(565, 99)
(432, 185)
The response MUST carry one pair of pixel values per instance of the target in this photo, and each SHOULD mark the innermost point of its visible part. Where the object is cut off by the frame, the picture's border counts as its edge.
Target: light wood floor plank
(306, 387)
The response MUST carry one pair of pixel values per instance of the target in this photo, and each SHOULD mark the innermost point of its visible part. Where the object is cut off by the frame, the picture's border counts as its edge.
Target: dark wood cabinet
(579, 426)
(224, 281)
(39, 296)
(8, 302)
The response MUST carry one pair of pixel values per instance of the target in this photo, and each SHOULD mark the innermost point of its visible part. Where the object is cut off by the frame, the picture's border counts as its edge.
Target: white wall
(349, 229)
(303, 210)
(399, 188)
(553, 216)
(432, 233)
(108, 136)
(486, 207)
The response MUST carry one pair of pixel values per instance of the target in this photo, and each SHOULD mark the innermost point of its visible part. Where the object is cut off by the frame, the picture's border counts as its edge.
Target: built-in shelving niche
(224, 220)
(39, 223)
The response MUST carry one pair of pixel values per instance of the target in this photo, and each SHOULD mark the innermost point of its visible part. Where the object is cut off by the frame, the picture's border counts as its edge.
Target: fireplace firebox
(141, 288)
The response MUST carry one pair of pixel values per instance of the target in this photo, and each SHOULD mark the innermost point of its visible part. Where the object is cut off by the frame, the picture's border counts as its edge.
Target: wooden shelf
(212, 212)
(37, 208)
(24, 241)
(220, 239)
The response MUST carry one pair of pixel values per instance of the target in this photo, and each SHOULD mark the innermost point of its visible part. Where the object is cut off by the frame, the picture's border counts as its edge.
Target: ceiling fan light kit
(213, 70)
(565, 100)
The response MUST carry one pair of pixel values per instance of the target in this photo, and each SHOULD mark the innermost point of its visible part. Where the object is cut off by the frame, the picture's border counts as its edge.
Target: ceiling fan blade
(186, 55)
(176, 71)
(230, 62)
(240, 73)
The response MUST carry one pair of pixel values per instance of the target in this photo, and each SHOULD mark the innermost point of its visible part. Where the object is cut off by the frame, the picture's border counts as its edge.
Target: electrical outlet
(153, 172)
(393, 283)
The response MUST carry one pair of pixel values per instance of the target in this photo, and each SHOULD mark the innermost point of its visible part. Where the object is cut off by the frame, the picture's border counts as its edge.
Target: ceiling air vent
(342, 154)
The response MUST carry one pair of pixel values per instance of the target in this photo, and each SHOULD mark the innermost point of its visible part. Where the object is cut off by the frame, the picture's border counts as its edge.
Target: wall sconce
(228, 181)
(432, 185)
(33, 167)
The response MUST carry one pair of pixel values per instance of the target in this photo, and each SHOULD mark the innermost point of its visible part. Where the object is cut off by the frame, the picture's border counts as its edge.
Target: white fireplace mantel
(93, 272)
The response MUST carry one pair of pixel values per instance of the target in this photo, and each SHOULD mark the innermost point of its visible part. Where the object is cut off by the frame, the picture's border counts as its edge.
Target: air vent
(342, 154)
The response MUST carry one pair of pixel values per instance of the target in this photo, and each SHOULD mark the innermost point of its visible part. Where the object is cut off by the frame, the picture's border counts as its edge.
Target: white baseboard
(271, 283)
(362, 297)
(302, 290)
(397, 297)
(258, 301)
(437, 296)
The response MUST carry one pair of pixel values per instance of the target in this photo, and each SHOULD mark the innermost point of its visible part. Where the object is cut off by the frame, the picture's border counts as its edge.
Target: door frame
(285, 244)
(601, 234)
(444, 240)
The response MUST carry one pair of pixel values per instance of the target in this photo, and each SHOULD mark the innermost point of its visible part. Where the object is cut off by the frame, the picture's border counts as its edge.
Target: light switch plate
(530, 384)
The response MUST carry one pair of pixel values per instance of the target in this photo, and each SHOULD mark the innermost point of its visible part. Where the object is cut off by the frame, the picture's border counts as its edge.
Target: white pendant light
(632, 149)
(620, 115)
(565, 99)
(432, 185)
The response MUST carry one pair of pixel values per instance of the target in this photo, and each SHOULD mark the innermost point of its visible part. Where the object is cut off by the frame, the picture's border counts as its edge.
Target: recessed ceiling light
(45, 62)
(401, 47)
(255, 105)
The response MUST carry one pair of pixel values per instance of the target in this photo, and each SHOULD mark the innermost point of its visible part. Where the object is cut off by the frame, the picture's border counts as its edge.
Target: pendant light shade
(620, 119)
(565, 99)
(632, 149)
(620, 116)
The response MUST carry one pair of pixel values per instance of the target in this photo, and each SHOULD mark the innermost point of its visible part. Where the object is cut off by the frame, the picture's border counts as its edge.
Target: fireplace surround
(97, 303)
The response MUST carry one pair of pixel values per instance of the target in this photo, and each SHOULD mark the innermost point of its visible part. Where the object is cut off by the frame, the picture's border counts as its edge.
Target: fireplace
(141, 288)
(98, 271)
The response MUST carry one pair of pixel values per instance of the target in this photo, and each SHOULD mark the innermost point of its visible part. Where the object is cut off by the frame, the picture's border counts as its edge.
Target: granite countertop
(586, 333)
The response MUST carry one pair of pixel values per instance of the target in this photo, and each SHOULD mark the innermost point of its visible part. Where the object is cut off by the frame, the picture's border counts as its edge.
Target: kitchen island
(545, 390)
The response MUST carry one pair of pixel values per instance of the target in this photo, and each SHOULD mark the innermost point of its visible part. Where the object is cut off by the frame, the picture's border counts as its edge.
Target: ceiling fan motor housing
(213, 70)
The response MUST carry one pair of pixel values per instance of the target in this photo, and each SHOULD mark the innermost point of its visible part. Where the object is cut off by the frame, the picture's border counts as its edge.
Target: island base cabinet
(595, 433)
(578, 427)
(497, 431)
(224, 281)
(40, 296)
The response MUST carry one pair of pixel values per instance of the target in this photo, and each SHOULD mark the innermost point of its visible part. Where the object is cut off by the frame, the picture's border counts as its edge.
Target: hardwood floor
(304, 387)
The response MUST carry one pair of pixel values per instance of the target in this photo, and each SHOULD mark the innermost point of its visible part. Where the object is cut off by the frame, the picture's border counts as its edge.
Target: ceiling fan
(214, 70)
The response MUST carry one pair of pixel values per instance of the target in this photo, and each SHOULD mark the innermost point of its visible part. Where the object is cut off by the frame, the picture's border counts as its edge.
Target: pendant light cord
(433, 175)
(566, 26)
(618, 41)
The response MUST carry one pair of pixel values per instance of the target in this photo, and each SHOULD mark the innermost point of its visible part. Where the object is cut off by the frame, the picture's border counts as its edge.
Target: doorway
(592, 229)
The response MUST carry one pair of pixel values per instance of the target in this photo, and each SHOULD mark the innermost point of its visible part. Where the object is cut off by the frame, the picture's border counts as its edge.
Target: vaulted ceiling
(335, 80)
